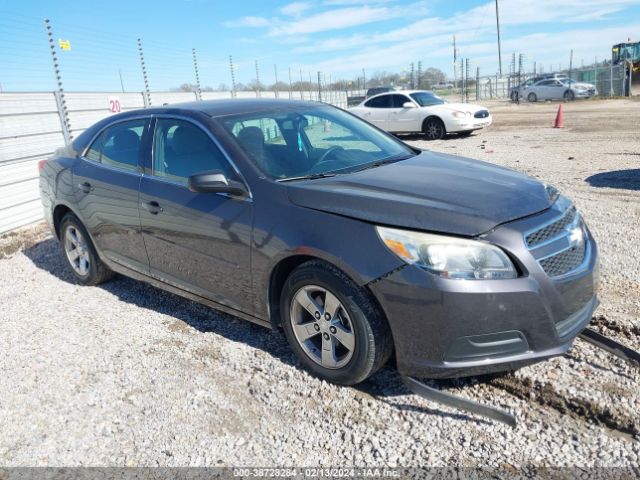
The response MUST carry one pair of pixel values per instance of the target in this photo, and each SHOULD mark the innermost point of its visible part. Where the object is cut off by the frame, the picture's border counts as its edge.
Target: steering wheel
(326, 154)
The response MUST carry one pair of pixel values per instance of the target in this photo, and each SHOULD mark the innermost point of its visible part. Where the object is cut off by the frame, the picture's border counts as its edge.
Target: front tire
(334, 327)
(79, 253)
(569, 96)
(433, 129)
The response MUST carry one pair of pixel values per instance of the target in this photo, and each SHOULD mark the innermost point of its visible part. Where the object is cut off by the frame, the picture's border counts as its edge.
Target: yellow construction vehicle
(628, 55)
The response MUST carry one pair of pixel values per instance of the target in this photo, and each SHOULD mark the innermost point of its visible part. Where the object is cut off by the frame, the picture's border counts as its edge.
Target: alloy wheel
(322, 327)
(434, 130)
(77, 250)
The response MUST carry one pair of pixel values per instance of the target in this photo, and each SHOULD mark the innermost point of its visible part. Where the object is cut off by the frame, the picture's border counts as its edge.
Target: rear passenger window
(119, 145)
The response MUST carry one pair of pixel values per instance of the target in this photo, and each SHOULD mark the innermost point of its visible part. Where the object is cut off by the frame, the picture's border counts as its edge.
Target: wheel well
(278, 277)
(59, 212)
(431, 117)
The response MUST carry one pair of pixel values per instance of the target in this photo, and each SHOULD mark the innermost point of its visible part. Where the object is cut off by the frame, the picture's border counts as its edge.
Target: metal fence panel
(20, 215)
(160, 98)
(17, 148)
(20, 125)
(30, 103)
(216, 95)
(14, 173)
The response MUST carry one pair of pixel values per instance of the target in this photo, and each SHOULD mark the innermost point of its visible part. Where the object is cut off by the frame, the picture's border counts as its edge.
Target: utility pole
(275, 72)
(197, 72)
(364, 79)
(499, 47)
(455, 60)
(147, 94)
(233, 77)
(520, 68)
(301, 85)
(257, 79)
(290, 92)
(61, 103)
(570, 64)
(413, 75)
(419, 81)
(121, 82)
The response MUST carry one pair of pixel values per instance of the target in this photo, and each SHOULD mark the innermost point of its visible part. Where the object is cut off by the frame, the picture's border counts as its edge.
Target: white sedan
(411, 111)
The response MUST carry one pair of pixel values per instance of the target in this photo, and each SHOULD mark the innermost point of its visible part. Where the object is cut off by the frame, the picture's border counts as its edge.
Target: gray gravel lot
(126, 375)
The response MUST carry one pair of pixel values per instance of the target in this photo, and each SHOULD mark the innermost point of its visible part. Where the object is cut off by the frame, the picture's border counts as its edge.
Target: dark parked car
(301, 216)
(378, 90)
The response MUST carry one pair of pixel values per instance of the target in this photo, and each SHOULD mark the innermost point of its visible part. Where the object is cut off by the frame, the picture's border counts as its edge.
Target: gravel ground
(127, 375)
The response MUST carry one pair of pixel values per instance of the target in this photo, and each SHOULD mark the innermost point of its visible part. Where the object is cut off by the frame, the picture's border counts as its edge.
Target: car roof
(407, 92)
(230, 106)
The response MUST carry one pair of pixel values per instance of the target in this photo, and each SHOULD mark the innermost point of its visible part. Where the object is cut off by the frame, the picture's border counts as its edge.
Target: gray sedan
(302, 217)
(557, 89)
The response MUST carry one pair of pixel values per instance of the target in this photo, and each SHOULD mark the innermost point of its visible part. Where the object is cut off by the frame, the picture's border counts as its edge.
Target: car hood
(461, 107)
(581, 84)
(431, 192)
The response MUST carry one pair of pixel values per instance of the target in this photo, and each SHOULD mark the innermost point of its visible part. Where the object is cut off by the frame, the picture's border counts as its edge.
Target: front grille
(553, 230)
(565, 261)
(481, 114)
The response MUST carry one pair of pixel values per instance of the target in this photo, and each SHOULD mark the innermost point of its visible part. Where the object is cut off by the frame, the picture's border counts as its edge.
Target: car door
(555, 90)
(376, 111)
(199, 242)
(544, 89)
(401, 118)
(106, 181)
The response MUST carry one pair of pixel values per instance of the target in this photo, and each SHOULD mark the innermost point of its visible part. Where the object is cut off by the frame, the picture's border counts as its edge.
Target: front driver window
(182, 149)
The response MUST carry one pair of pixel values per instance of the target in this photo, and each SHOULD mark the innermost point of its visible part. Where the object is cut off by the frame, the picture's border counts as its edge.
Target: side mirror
(408, 105)
(215, 181)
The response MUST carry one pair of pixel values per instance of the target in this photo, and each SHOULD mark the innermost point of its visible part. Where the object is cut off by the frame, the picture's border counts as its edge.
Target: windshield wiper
(311, 176)
(379, 163)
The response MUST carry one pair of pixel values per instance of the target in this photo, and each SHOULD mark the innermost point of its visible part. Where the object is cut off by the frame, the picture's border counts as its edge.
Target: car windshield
(312, 141)
(567, 81)
(426, 99)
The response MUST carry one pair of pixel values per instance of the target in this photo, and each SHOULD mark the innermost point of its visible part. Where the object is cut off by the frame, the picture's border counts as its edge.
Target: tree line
(406, 79)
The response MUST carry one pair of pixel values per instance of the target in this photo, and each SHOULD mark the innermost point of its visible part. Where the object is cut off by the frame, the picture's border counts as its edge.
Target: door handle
(153, 207)
(86, 187)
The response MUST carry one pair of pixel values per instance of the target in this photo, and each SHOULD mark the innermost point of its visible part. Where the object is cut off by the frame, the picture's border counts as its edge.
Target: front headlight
(459, 114)
(449, 257)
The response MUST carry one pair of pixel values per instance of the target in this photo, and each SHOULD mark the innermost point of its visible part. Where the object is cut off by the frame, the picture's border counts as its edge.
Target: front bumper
(468, 124)
(585, 93)
(452, 328)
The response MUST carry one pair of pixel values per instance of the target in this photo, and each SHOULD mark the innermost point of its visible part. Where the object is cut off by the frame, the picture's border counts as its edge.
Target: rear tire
(433, 129)
(532, 97)
(322, 308)
(79, 253)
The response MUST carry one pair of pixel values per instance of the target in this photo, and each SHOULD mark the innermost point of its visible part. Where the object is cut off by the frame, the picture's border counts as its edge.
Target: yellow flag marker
(64, 44)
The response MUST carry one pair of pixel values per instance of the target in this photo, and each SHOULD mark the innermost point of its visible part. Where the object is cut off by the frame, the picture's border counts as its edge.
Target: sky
(340, 38)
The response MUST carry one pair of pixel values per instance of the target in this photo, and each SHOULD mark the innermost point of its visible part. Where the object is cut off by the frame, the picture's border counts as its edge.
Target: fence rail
(32, 128)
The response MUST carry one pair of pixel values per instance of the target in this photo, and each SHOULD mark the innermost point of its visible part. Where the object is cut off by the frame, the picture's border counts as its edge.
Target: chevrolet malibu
(301, 217)
(419, 111)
